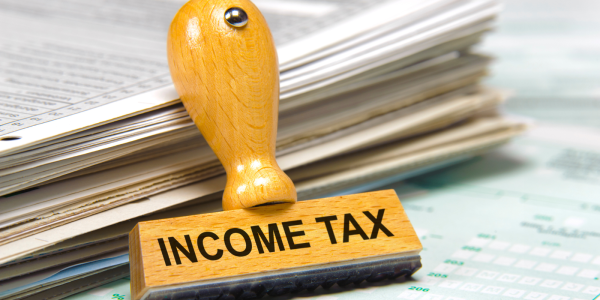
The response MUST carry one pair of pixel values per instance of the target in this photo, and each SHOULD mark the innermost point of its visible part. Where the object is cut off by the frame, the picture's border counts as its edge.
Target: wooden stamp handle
(224, 67)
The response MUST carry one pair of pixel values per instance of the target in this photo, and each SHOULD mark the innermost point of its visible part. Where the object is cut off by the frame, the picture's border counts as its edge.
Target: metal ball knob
(236, 17)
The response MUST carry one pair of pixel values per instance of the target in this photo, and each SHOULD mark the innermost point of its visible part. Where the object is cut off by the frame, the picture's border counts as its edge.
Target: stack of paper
(93, 134)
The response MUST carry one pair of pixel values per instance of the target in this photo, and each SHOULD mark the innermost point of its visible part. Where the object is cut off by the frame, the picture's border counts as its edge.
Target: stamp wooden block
(224, 66)
(172, 254)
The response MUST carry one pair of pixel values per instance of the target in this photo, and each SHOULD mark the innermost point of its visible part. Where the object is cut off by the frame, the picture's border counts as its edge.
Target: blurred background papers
(93, 138)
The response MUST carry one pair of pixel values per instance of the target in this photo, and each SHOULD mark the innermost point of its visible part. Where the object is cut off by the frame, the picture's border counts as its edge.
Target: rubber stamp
(224, 66)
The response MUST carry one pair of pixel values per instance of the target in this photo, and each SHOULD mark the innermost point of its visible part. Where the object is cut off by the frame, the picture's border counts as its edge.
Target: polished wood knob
(224, 66)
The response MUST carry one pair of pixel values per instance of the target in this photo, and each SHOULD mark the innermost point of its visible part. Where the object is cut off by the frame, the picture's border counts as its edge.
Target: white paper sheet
(68, 71)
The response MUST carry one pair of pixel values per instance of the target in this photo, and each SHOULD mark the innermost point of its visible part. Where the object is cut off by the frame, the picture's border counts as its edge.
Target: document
(64, 70)
(520, 222)
(374, 77)
(74, 65)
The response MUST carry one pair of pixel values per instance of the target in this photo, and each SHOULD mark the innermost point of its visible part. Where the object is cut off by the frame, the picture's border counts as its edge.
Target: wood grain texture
(228, 80)
(138, 282)
(246, 258)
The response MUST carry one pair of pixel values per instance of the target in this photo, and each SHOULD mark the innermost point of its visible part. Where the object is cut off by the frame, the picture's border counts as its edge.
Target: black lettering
(248, 248)
(377, 223)
(348, 218)
(189, 252)
(201, 238)
(163, 250)
(327, 221)
(274, 236)
(290, 235)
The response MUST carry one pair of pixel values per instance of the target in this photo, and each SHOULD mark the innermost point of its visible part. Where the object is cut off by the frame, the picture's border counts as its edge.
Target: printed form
(519, 223)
